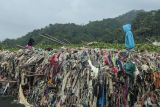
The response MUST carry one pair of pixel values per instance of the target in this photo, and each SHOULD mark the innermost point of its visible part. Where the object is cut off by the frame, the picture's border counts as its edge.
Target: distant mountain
(106, 30)
(129, 16)
(147, 25)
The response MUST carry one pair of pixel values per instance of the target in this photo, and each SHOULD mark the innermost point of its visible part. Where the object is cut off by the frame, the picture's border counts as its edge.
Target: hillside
(145, 24)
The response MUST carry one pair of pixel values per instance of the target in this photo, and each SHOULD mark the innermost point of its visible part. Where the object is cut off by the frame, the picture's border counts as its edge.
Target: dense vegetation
(138, 47)
(145, 25)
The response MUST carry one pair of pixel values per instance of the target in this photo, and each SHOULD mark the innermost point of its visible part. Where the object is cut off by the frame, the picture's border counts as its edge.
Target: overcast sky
(18, 17)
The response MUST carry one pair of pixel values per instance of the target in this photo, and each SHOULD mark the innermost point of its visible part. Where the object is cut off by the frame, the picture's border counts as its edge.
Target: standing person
(129, 39)
(30, 43)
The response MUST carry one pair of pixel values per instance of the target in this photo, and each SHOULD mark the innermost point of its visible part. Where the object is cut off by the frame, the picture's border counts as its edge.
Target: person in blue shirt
(129, 39)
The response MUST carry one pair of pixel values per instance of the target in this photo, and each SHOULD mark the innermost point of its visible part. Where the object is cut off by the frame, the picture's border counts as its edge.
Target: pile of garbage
(81, 78)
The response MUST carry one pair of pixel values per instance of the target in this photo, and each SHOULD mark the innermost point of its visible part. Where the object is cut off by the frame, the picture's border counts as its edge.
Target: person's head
(127, 27)
(31, 42)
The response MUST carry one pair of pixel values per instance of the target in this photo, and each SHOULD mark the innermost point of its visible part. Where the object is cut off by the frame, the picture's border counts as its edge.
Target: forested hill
(145, 25)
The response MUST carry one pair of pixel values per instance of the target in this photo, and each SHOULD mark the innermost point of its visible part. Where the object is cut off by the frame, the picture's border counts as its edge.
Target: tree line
(144, 24)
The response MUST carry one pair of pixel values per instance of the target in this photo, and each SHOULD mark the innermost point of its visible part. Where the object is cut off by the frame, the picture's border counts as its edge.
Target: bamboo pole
(67, 41)
(55, 39)
(51, 39)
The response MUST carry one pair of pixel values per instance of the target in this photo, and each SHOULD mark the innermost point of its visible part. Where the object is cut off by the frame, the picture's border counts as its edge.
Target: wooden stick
(148, 40)
(67, 41)
(55, 39)
(34, 75)
(20, 46)
(51, 39)
(7, 81)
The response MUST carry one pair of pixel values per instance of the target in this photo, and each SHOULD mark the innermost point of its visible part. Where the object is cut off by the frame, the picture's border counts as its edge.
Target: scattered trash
(155, 43)
(81, 77)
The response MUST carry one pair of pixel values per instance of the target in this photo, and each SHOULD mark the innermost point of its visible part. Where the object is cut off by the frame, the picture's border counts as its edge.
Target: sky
(18, 17)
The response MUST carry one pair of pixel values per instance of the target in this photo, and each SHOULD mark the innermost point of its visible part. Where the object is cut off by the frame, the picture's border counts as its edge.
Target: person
(30, 43)
(129, 39)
